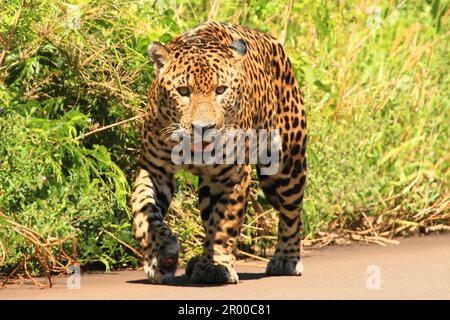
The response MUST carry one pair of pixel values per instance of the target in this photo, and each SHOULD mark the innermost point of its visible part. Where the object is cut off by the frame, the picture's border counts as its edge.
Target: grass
(375, 82)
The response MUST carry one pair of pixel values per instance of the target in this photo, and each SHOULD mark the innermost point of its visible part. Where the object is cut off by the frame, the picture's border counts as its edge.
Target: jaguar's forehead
(200, 52)
(199, 63)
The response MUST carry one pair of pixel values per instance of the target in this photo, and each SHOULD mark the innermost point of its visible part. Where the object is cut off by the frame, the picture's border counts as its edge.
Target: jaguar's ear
(239, 48)
(158, 54)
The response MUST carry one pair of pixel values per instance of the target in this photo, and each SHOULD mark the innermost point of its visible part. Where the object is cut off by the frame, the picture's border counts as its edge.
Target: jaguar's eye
(221, 89)
(184, 91)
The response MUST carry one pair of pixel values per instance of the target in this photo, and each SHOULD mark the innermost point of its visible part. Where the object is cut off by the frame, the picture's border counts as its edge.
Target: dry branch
(214, 10)
(7, 41)
(42, 252)
(137, 253)
(119, 123)
(3, 253)
(253, 256)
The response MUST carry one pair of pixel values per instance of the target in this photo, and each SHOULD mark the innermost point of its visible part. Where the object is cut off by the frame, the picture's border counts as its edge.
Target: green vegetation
(375, 81)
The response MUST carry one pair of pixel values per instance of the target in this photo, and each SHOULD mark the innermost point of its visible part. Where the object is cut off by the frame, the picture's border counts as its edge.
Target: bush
(375, 85)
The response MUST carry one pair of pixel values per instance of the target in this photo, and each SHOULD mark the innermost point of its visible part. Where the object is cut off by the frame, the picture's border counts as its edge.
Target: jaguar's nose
(200, 127)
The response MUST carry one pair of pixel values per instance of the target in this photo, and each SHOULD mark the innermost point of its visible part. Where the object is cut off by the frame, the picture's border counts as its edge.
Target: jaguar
(218, 76)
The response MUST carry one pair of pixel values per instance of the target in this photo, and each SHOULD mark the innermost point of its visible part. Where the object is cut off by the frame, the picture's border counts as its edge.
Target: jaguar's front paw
(160, 265)
(289, 266)
(211, 273)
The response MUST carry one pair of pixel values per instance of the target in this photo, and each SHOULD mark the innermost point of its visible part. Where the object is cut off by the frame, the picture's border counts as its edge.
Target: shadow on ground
(184, 281)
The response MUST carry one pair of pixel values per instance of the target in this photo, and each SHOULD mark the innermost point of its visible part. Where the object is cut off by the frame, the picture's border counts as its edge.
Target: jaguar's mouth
(201, 146)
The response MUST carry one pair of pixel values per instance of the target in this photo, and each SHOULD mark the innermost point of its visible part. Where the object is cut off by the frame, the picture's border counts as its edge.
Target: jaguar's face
(199, 83)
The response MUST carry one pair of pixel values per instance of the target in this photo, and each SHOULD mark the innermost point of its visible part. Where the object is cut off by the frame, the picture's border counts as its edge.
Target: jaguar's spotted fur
(220, 75)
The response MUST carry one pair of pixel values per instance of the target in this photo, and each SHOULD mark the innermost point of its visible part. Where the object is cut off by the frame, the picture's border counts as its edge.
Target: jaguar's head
(197, 84)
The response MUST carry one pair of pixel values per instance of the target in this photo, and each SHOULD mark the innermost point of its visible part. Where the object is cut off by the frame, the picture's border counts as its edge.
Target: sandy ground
(417, 268)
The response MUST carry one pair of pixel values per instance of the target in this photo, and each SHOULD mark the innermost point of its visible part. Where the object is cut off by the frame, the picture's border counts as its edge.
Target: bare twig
(256, 206)
(214, 10)
(284, 32)
(43, 260)
(25, 269)
(8, 39)
(383, 240)
(3, 255)
(252, 255)
(109, 127)
(124, 244)
(12, 273)
(42, 252)
(439, 227)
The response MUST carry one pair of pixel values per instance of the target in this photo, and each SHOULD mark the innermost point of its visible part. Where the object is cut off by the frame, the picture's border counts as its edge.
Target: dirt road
(417, 268)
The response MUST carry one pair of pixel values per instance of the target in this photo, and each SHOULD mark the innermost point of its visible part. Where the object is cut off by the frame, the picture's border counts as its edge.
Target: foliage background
(376, 84)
